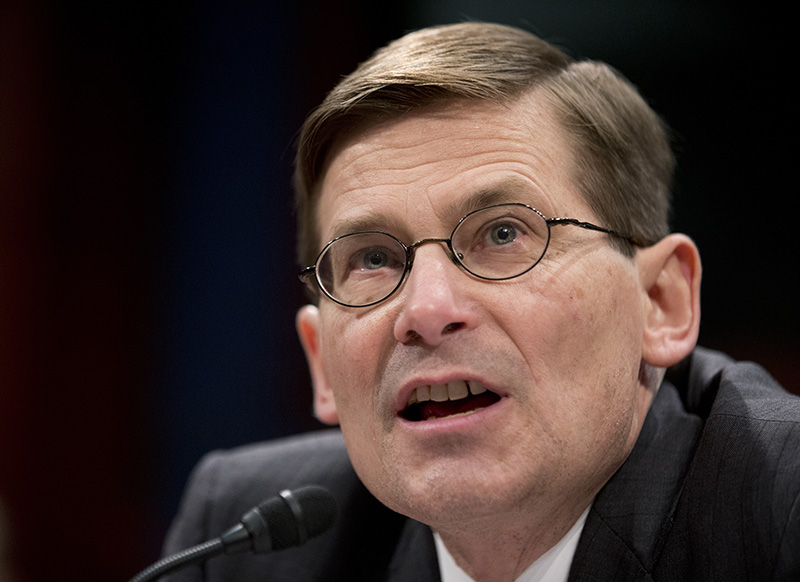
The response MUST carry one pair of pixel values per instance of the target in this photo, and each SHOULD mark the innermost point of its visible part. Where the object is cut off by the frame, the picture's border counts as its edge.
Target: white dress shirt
(552, 566)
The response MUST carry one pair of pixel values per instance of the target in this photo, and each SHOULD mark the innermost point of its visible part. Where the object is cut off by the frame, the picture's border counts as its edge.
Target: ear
(670, 274)
(308, 328)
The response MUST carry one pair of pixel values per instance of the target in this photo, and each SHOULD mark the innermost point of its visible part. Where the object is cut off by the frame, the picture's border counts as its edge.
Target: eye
(375, 259)
(500, 232)
(503, 234)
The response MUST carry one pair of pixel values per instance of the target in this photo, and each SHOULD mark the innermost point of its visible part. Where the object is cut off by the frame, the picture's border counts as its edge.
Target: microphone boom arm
(196, 553)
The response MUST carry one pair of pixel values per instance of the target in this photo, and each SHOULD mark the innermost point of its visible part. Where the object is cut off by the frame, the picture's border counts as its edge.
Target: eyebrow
(509, 190)
(367, 222)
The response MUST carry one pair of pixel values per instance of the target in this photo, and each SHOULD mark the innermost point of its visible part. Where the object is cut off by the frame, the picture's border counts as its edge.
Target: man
(498, 301)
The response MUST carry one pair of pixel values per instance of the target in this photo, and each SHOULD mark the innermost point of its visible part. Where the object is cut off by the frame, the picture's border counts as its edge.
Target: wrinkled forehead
(435, 165)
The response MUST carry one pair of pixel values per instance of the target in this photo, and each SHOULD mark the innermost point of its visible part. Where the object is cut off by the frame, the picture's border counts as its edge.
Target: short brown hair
(624, 163)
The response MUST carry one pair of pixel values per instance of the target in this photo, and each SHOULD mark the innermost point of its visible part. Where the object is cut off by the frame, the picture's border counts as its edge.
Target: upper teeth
(455, 390)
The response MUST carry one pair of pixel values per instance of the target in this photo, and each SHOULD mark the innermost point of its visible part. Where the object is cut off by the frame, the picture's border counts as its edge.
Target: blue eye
(375, 260)
(503, 234)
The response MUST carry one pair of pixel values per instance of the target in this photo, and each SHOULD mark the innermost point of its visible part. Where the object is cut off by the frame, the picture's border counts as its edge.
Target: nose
(432, 307)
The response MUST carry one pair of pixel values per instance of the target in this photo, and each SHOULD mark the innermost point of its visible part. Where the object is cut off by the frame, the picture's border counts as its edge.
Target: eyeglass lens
(497, 242)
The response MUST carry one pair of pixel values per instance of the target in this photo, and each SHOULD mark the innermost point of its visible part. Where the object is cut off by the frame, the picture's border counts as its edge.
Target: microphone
(290, 519)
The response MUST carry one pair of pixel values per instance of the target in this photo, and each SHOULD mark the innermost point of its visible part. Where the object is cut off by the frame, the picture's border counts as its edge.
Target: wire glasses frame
(494, 243)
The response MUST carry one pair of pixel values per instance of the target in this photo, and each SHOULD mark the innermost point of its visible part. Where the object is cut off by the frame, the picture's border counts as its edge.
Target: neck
(502, 551)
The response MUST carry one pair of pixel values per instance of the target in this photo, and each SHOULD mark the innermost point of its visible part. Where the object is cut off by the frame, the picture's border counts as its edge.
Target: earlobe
(307, 323)
(670, 273)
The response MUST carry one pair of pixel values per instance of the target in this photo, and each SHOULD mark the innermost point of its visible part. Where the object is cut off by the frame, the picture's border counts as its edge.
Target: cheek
(581, 338)
(606, 343)
(353, 363)
(558, 328)
(351, 355)
(602, 311)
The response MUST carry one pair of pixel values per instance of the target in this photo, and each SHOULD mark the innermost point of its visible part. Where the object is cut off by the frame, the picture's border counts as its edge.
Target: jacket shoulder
(266, 468)
(226, 484)
(741, 498)
(711, 383)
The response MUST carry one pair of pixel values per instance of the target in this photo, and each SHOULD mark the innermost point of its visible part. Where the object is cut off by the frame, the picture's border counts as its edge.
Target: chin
(447, 495)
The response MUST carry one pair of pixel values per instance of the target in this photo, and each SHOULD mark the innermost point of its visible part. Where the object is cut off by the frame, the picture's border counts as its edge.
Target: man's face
(558, 349)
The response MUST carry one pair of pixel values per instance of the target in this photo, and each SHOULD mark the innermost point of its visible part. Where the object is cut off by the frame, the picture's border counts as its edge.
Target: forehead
(433, 166)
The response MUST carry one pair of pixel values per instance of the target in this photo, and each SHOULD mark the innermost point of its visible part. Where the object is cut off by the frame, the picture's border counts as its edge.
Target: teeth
(455, 390)
(476, 388)
(456, 414)
(439, 393)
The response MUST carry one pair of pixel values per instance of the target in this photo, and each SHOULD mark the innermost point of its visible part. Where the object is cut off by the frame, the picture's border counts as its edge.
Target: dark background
(147, 275)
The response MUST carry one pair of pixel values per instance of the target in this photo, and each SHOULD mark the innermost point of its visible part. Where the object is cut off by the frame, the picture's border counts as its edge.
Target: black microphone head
(295, 516)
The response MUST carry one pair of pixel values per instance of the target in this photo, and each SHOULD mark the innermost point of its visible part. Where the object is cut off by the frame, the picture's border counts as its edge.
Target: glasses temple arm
(589, 226)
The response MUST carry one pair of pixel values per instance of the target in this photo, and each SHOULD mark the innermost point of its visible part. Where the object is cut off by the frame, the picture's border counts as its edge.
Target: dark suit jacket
(711, 491)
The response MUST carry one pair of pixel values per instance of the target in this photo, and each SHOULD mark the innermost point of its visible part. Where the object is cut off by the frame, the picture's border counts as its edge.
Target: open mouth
(457, 398)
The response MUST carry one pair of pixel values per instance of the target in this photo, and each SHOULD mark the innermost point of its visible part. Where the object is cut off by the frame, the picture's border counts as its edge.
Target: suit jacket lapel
(632, 514)
(414, 559)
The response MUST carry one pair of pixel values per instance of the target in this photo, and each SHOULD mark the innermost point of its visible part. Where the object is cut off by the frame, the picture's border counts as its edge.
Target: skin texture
(572, 347)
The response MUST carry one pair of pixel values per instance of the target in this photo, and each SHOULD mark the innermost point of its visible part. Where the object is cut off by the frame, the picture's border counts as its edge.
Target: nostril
(410, 337)
(451, 327)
